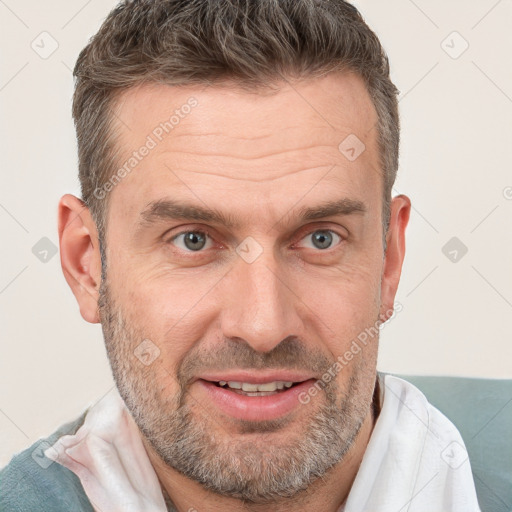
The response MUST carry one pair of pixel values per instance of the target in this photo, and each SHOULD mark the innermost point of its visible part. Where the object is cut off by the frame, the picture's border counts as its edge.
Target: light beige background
(455, 165)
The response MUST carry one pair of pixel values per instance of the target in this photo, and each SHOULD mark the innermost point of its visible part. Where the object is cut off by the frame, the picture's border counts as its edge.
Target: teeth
(248, 387)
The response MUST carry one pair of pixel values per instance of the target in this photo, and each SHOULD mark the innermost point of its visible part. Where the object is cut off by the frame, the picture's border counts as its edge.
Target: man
(237, 240)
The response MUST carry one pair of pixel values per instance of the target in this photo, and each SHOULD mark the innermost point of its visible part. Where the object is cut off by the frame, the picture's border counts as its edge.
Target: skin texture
(258, 158)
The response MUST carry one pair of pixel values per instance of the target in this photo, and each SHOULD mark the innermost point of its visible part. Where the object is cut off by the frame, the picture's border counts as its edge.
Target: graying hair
(253, 43)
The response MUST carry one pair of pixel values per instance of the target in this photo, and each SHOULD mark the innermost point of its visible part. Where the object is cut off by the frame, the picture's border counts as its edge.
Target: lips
(246, 387)
(253, 405)
(258, 377)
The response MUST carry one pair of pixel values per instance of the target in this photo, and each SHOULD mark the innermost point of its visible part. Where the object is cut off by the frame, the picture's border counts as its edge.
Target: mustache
(235, 353)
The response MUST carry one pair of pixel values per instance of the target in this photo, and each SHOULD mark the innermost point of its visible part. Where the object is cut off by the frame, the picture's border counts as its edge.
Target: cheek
(170, 311)
(158, 297)
(341, 309)
(352, 291)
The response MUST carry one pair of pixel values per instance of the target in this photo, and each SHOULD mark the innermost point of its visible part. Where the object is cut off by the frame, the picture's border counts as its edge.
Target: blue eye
(323, 238)
(199, 240)
(192, 240)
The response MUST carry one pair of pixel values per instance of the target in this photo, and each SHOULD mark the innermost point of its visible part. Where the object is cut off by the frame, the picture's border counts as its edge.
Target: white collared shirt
(415, 460)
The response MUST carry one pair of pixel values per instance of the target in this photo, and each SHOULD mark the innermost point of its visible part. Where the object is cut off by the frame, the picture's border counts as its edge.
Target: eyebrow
(171, 209)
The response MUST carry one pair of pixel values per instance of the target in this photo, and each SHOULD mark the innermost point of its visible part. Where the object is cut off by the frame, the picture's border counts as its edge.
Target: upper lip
(257, 377)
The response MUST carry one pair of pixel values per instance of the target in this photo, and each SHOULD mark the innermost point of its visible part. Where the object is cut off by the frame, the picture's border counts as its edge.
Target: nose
(259, 304)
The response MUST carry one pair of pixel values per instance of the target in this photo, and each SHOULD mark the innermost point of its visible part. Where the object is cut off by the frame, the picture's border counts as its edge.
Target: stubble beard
(259, 464)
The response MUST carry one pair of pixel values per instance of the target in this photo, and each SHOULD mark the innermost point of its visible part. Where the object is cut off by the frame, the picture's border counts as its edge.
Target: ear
(80, 255)
(395, 252)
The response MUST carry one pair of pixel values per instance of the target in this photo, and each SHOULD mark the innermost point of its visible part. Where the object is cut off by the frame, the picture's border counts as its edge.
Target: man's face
(269, 296)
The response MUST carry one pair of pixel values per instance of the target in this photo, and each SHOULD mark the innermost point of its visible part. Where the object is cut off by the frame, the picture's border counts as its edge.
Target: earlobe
(80, 254)
(395, 253)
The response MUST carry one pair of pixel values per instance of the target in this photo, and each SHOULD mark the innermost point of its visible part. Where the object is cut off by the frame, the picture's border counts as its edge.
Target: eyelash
(205, 231)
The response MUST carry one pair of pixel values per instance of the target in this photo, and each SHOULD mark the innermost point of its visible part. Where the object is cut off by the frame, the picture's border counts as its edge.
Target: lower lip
(255, 408)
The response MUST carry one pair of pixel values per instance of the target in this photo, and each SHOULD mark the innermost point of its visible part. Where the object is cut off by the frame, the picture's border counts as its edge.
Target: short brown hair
(252, 42)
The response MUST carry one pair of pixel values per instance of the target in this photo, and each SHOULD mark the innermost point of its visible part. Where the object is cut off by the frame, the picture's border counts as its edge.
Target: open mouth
(249, 389)
(253, 401)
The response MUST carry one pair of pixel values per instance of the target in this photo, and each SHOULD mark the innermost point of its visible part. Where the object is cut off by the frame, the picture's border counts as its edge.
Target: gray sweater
(31, 482)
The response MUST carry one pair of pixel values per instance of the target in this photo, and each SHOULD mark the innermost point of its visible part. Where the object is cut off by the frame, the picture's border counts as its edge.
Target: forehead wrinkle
(254, 180)
(327, 131)
(219, 134)
(254, 157)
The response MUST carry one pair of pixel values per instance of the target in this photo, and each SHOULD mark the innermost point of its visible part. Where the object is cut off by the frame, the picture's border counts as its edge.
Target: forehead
(227, 140)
